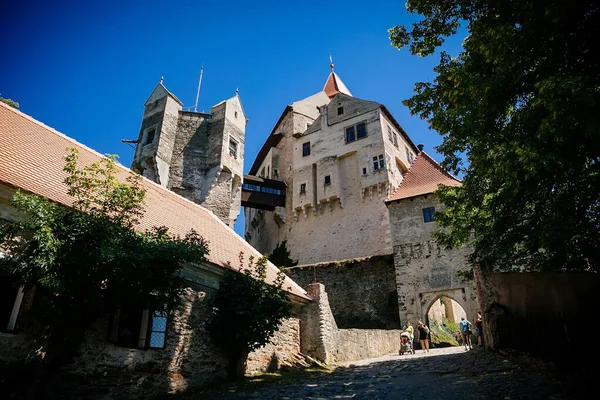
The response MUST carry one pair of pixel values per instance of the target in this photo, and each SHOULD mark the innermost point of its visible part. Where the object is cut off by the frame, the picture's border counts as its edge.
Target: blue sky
(86, 68)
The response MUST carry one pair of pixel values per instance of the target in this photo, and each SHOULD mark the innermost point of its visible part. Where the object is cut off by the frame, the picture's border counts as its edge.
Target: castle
(340, 157)
(196, 155)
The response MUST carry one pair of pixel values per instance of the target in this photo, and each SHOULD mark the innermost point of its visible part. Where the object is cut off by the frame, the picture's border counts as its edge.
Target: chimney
(420, 147)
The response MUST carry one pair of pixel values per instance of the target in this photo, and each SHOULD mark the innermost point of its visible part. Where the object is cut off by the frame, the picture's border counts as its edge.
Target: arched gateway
(424, 270)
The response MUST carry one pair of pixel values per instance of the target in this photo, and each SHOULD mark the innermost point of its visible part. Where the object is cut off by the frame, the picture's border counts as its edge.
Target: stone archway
(425, 272)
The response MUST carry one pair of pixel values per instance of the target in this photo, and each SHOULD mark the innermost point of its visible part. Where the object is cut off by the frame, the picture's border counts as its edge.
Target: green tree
(87, 260)
(10, 102)
(247, 312)
(281, 256)
(518, 110)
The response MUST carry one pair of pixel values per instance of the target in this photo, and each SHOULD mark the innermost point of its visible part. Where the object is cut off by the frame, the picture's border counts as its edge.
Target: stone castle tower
(340, 157)
(197, 155)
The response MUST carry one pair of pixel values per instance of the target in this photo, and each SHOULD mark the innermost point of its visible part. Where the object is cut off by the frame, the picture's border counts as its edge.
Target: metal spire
(198, 92)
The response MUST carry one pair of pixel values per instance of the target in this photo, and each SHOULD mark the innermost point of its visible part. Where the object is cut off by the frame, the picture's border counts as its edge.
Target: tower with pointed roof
(340, 157)
(195, 154)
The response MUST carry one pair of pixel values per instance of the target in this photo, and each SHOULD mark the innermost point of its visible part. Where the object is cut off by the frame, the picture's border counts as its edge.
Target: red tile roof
(334, 85)
(32, 158)
(423, 177)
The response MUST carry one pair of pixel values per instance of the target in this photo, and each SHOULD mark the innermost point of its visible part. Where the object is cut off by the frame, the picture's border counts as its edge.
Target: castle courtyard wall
(362, 292)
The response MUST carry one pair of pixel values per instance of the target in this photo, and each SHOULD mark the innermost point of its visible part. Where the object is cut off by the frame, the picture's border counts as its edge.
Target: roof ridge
(439, 166)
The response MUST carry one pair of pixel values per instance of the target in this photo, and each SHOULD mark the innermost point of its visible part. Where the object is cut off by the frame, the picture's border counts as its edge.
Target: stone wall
(547, 314)
(424, 270)
(362, 292)
(190, 358)
(322, 339)
(282, 349)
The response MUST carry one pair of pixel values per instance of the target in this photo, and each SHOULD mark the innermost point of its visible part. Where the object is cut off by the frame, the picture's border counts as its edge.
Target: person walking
(423, 332)
(408, 328)
(465, 330)
(479, 327)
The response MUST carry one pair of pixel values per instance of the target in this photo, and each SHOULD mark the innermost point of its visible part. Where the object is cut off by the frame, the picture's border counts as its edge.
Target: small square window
(340, 110)
(327, 179)
(150, 133)
(350, 135)
(302, 188)
(428, 214)
(361, 131)
(305, 149)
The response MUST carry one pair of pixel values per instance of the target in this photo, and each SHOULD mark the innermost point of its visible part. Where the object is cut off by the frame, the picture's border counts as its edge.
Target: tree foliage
(10, 102)
(281, 256)
(86, 260)
(518, 110)
(247, 311)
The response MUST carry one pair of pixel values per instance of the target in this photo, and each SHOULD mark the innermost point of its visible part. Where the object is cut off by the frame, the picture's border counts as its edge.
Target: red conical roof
(334, 85)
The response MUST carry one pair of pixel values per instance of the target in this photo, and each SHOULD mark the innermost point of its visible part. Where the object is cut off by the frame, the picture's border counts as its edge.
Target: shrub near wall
(362, 292)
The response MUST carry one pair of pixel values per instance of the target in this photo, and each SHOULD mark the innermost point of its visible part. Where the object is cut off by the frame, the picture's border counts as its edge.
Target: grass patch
(444, 333)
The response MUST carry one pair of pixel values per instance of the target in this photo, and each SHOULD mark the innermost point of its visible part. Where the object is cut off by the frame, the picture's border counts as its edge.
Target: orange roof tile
(334, 85)
(32, 158)
(423, 177)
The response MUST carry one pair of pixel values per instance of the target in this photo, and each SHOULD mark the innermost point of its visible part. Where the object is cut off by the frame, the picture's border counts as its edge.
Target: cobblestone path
(449, 373)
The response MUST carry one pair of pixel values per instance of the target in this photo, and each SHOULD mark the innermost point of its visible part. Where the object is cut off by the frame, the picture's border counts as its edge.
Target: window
(350, 135)
(364, 170)
(327, 179)
(340, 110)
(305, 149)
(361, 131)
(150, 133)
(140, 329)
(235, 114)
(428, 214)
(395, 140)
(233, 147)
(158, 330)
(409, 155)
(390, 134)
(302, 188)
(10, 301)
(129, 333)
(356, 132)
(378, 162)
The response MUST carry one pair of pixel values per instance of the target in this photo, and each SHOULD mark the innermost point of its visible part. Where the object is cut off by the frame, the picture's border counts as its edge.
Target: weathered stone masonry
(362, 292)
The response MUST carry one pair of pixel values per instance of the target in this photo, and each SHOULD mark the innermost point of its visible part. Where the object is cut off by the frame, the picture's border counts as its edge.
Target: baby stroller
(405, 344)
